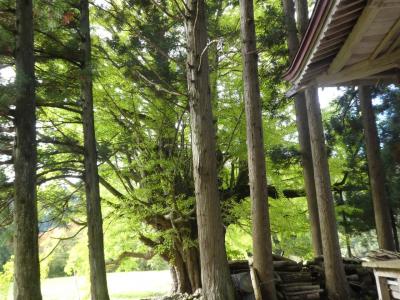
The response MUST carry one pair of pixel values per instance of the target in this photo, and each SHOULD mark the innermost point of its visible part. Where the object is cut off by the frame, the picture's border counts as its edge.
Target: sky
(7, 74)
(327, 95)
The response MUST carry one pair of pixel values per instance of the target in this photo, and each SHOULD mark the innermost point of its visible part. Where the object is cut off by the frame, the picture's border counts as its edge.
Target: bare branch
(130, 254)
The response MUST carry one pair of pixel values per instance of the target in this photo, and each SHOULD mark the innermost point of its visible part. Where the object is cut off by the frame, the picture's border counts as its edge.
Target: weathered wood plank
(366, 19)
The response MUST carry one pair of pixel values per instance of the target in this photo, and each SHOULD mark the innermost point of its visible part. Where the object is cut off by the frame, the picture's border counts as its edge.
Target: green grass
(135, 295)
(121, 286)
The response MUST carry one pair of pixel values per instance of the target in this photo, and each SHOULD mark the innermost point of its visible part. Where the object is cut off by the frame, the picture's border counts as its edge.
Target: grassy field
(122, 286)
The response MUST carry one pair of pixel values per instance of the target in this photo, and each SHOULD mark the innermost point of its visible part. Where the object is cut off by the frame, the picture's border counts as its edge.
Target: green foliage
(55, 254)
(238, 241)
(5, 246)
(6, 277)
(144, 141)
(389, 126)
(77, 263)
(290, 229)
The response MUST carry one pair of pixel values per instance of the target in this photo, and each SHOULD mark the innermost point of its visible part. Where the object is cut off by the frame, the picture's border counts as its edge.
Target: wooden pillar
(301, 118)
(308, 171)
(336, 283)
(376, 172)
(304, 141)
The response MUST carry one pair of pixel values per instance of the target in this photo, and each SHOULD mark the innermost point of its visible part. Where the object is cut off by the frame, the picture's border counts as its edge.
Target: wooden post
(308, 171)
(382, 288)
(336, 283)
(302, 119)
(262, 246)
(376, 172)
(255, 281)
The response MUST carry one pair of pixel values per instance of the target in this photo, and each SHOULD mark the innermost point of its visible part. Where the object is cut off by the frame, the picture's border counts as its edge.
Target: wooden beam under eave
(367, 18)
(361, 70)
(394, 45)
(336, 283)
(384, 80)
(387, 39)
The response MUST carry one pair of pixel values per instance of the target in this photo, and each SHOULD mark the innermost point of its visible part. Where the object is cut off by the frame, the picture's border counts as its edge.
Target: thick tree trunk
(214, 59)
(182, 275)
(262, 246)
(186, 261)
(302, 16)
(394, 228)
(304, 140)
(308, 171)
(174, 277)
(191, 256)
(376, 172)
(336, 283)
(345, 225)
(291, 28)
(215, 276)
(302, 120)
(26, 261)
(98, 278)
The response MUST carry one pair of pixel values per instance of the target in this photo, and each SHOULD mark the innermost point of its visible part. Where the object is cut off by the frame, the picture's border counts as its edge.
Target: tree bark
(181, 274)
(26, 261)
(308, 171)
(215, 276)
(174, 277)
(187, 262)
(345, 225)
(302, 17)
(191, 257)
(394, 228)
(336, 283)
(291, 28)
(98, 278)
(302, 120)
(262, 246)
(376, 172)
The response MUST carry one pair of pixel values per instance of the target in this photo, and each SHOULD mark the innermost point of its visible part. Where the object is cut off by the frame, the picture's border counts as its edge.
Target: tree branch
(130, 254)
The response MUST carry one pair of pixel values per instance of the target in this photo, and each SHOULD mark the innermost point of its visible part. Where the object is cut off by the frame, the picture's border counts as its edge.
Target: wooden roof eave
(313, 34)
(360, 70)
(329, 59)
